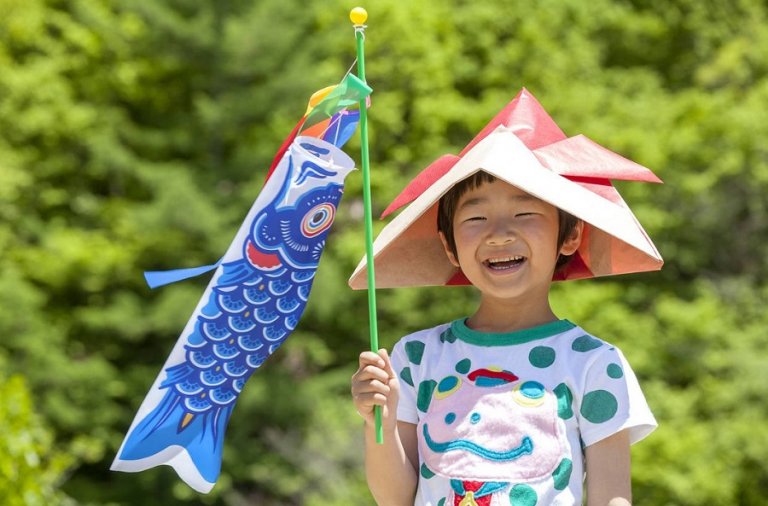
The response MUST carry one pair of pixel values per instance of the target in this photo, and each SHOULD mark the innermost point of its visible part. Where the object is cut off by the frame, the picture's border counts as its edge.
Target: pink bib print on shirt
(490, 429)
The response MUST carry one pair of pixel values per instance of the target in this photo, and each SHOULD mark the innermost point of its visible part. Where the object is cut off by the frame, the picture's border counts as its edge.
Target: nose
(501, 232)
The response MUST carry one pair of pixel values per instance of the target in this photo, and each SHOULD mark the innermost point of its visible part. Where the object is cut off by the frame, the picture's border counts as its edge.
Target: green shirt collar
(461, 331)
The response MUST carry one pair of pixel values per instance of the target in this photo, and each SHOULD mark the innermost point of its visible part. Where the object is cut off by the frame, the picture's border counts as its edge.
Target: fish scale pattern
(248, 316)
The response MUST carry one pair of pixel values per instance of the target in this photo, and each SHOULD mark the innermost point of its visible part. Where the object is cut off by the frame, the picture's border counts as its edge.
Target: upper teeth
(505, 259)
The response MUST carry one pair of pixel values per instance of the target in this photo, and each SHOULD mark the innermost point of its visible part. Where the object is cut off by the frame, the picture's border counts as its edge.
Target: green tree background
(134, 135)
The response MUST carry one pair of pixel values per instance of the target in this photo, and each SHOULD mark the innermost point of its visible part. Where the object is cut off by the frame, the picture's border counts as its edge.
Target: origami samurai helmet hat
(524, 147)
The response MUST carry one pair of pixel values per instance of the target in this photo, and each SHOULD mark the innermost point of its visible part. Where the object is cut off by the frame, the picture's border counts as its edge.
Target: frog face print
(491, 425)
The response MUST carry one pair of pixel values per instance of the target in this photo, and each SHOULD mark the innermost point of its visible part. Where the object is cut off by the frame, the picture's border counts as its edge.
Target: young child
(510, 406)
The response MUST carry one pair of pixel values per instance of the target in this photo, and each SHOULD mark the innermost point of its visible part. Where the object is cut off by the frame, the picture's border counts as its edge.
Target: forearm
(391, 477)
(609, 481)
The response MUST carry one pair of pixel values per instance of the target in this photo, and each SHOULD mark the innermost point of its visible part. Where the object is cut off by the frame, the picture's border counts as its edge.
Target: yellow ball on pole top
(358, 16)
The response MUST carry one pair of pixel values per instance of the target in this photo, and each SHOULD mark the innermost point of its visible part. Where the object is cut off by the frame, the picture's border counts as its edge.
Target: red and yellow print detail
(491, 376)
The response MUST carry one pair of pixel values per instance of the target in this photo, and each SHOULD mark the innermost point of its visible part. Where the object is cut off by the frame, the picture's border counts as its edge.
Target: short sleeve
(404, 369)
(612, 401)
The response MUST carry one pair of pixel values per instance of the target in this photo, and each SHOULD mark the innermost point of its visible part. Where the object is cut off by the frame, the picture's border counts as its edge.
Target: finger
(371, 372)
(367, 394)
(370, 358)
(366, 401)
(381, 385)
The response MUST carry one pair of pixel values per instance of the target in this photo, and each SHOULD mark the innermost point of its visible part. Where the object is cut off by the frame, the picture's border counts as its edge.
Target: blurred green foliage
(30, 469)
(135, 135)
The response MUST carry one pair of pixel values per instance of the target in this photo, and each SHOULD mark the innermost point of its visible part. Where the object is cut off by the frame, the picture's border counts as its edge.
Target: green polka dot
(424, 397)
(414, 350)
(564, 401)
(405, 375)
(523, 495)
(599, 406)
(447, 336)
(425, 472)
(562, 474)
(585, 343)
(441, 502)
(614, 371)
(541, 357)
(463, 366)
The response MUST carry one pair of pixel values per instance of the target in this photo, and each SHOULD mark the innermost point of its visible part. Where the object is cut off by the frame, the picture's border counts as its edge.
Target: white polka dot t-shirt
(502, 419)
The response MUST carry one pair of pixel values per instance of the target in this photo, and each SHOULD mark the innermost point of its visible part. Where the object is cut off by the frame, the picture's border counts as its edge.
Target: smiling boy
(510, 406)
(508, 244)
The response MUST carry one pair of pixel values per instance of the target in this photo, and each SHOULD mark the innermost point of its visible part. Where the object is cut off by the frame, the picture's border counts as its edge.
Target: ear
(573, 241)
(451, 257)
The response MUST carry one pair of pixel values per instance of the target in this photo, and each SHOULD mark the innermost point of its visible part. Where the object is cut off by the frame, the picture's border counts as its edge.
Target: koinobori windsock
(252, 304)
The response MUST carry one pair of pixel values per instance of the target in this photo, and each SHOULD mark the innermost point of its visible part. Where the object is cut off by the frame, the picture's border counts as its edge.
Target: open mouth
(505, 263)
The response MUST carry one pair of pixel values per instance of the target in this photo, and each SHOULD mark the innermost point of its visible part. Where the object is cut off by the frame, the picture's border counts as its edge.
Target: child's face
(506, 241)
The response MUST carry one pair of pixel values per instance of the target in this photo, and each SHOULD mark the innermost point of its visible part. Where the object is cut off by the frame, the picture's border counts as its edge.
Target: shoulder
(584, 356)
(419, 340)
(584, 345)
(607, 395)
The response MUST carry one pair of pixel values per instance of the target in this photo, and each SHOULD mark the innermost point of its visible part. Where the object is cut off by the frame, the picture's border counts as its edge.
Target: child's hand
(376, 384)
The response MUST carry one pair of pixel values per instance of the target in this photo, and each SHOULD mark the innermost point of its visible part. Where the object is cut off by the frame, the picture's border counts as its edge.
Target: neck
(504, 315)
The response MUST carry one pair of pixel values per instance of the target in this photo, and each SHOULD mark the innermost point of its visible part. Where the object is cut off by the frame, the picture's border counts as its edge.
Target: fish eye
(318, 219)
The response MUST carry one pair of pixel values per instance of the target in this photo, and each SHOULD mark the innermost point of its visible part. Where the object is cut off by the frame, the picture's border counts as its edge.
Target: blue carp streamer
(253, 303)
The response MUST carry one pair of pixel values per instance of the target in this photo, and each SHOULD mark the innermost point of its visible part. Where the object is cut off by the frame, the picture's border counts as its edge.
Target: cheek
(462, 240)
(543, 233)
(466, 236)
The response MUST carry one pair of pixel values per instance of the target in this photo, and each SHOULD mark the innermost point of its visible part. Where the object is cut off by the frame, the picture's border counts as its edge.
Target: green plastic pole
(358, 17)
